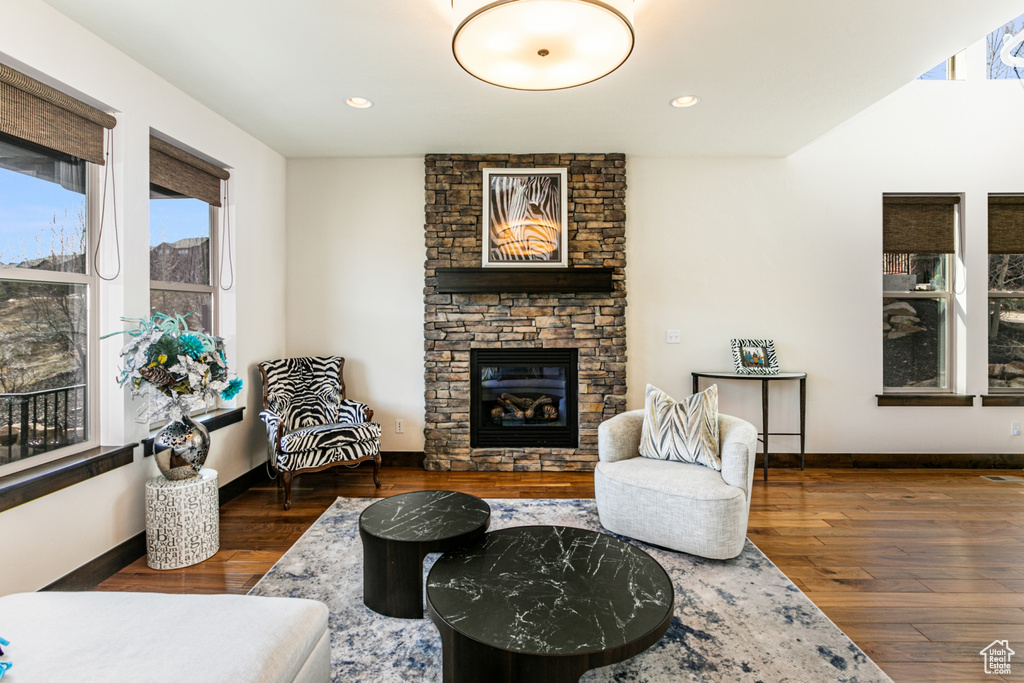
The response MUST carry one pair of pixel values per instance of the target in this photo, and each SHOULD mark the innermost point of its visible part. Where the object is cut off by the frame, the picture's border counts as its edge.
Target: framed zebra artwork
(754, 357)
(525, 217)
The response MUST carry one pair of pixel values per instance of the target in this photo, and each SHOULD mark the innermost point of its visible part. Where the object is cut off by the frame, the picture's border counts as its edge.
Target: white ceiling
(773, 75)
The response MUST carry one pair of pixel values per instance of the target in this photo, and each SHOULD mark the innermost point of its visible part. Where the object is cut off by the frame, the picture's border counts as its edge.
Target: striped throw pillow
(685, 430)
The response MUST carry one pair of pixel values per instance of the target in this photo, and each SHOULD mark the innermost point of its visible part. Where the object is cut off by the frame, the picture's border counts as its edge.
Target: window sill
(213, 421)
(1013, 400)
(925, 399)
(36, 482)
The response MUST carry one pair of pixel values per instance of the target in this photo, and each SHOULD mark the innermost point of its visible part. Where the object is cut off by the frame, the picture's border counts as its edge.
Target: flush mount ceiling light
(542, 44)
(359, 102)
(685, 101)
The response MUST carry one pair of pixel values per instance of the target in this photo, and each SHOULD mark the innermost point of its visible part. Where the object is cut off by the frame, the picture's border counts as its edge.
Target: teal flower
(192, 345)
(234, 386)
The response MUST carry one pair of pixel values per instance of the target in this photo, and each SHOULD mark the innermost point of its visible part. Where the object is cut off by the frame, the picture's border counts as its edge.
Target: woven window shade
(919, 225)
(34, 111)
(175, 169)
(1006, 224)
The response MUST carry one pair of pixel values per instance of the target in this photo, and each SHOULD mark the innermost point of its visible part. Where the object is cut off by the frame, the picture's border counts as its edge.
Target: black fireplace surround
(523, 398)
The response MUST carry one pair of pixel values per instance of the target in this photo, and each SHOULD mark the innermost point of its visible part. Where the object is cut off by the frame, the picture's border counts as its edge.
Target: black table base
(393, 576)
(401, 532)
(465, 660)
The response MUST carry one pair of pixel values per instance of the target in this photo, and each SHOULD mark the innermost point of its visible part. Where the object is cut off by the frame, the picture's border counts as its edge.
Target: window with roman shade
(185, 198)
(36, 113)
(183, 173)
(919, 238)
(1006, 293)
(50, 146)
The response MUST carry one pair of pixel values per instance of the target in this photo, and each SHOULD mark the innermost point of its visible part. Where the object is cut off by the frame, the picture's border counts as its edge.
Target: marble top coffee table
(545, 603)
(399, 531)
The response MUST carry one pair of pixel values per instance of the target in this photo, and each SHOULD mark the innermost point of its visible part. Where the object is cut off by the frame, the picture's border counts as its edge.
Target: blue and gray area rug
(738, 620)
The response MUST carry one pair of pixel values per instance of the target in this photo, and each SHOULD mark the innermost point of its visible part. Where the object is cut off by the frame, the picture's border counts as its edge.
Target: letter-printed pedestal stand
(182, 520)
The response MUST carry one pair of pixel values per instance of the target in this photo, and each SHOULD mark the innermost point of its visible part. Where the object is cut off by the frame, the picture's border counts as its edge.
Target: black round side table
(399, 531)
(539, 604)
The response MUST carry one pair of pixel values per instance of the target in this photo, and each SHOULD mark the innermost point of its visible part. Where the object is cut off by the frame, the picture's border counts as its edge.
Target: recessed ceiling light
(685, 101)
(359, 102)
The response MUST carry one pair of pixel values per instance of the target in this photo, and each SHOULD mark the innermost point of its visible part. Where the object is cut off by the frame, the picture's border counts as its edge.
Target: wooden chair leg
(376, 470)
(286, 478)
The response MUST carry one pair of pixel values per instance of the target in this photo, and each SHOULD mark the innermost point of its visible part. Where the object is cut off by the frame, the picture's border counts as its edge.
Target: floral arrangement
(183, 369)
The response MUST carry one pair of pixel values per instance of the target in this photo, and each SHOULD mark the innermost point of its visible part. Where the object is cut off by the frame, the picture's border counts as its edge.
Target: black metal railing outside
(41, 421)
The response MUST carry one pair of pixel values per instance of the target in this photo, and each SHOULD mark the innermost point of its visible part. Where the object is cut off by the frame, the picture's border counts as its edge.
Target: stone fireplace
(470, 426)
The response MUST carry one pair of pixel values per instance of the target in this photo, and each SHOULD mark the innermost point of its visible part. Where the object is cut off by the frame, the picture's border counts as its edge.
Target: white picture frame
(525, 219)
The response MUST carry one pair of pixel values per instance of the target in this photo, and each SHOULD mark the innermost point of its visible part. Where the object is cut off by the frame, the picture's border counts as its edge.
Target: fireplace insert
(523, 397)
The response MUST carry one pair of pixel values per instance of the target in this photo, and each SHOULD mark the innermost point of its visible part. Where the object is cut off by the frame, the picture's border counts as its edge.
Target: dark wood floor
(921, 568)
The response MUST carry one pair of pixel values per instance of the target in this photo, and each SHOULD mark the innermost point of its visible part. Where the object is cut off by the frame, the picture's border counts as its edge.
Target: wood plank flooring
(921, 568)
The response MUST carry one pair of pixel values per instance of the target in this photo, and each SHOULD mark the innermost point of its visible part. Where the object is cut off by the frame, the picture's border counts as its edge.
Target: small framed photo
(754, 357)
(526, 217)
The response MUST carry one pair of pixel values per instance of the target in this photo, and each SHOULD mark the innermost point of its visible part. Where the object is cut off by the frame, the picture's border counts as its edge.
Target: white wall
(355, 281)
(47, 538)
(790, 250)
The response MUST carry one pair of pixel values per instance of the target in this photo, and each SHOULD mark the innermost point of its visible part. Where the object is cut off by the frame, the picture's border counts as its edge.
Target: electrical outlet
(671, 336)
(399, 426)
(1015, 429)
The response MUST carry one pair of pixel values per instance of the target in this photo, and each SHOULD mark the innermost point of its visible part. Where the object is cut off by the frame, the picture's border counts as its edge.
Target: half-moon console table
(765, 379)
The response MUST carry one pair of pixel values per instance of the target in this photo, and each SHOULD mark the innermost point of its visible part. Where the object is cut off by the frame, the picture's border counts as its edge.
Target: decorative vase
(181, 447)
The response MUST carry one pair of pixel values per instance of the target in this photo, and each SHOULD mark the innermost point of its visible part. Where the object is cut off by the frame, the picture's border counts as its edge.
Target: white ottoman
(155, 638)
(182, 520)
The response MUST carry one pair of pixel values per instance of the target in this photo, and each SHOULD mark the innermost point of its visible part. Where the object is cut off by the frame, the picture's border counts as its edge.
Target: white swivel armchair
(676, 505)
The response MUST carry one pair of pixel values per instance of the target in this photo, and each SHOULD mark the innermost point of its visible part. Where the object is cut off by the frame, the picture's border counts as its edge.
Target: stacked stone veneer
(594, 323)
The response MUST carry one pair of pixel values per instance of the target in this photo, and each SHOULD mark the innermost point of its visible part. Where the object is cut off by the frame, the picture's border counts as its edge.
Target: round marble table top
(424, 516)
(549, 590)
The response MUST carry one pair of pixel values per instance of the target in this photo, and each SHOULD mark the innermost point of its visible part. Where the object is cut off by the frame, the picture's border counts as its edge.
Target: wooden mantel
(526, 280)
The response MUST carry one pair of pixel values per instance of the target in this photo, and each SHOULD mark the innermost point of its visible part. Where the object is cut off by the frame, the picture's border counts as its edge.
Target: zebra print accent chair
(311, 424)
